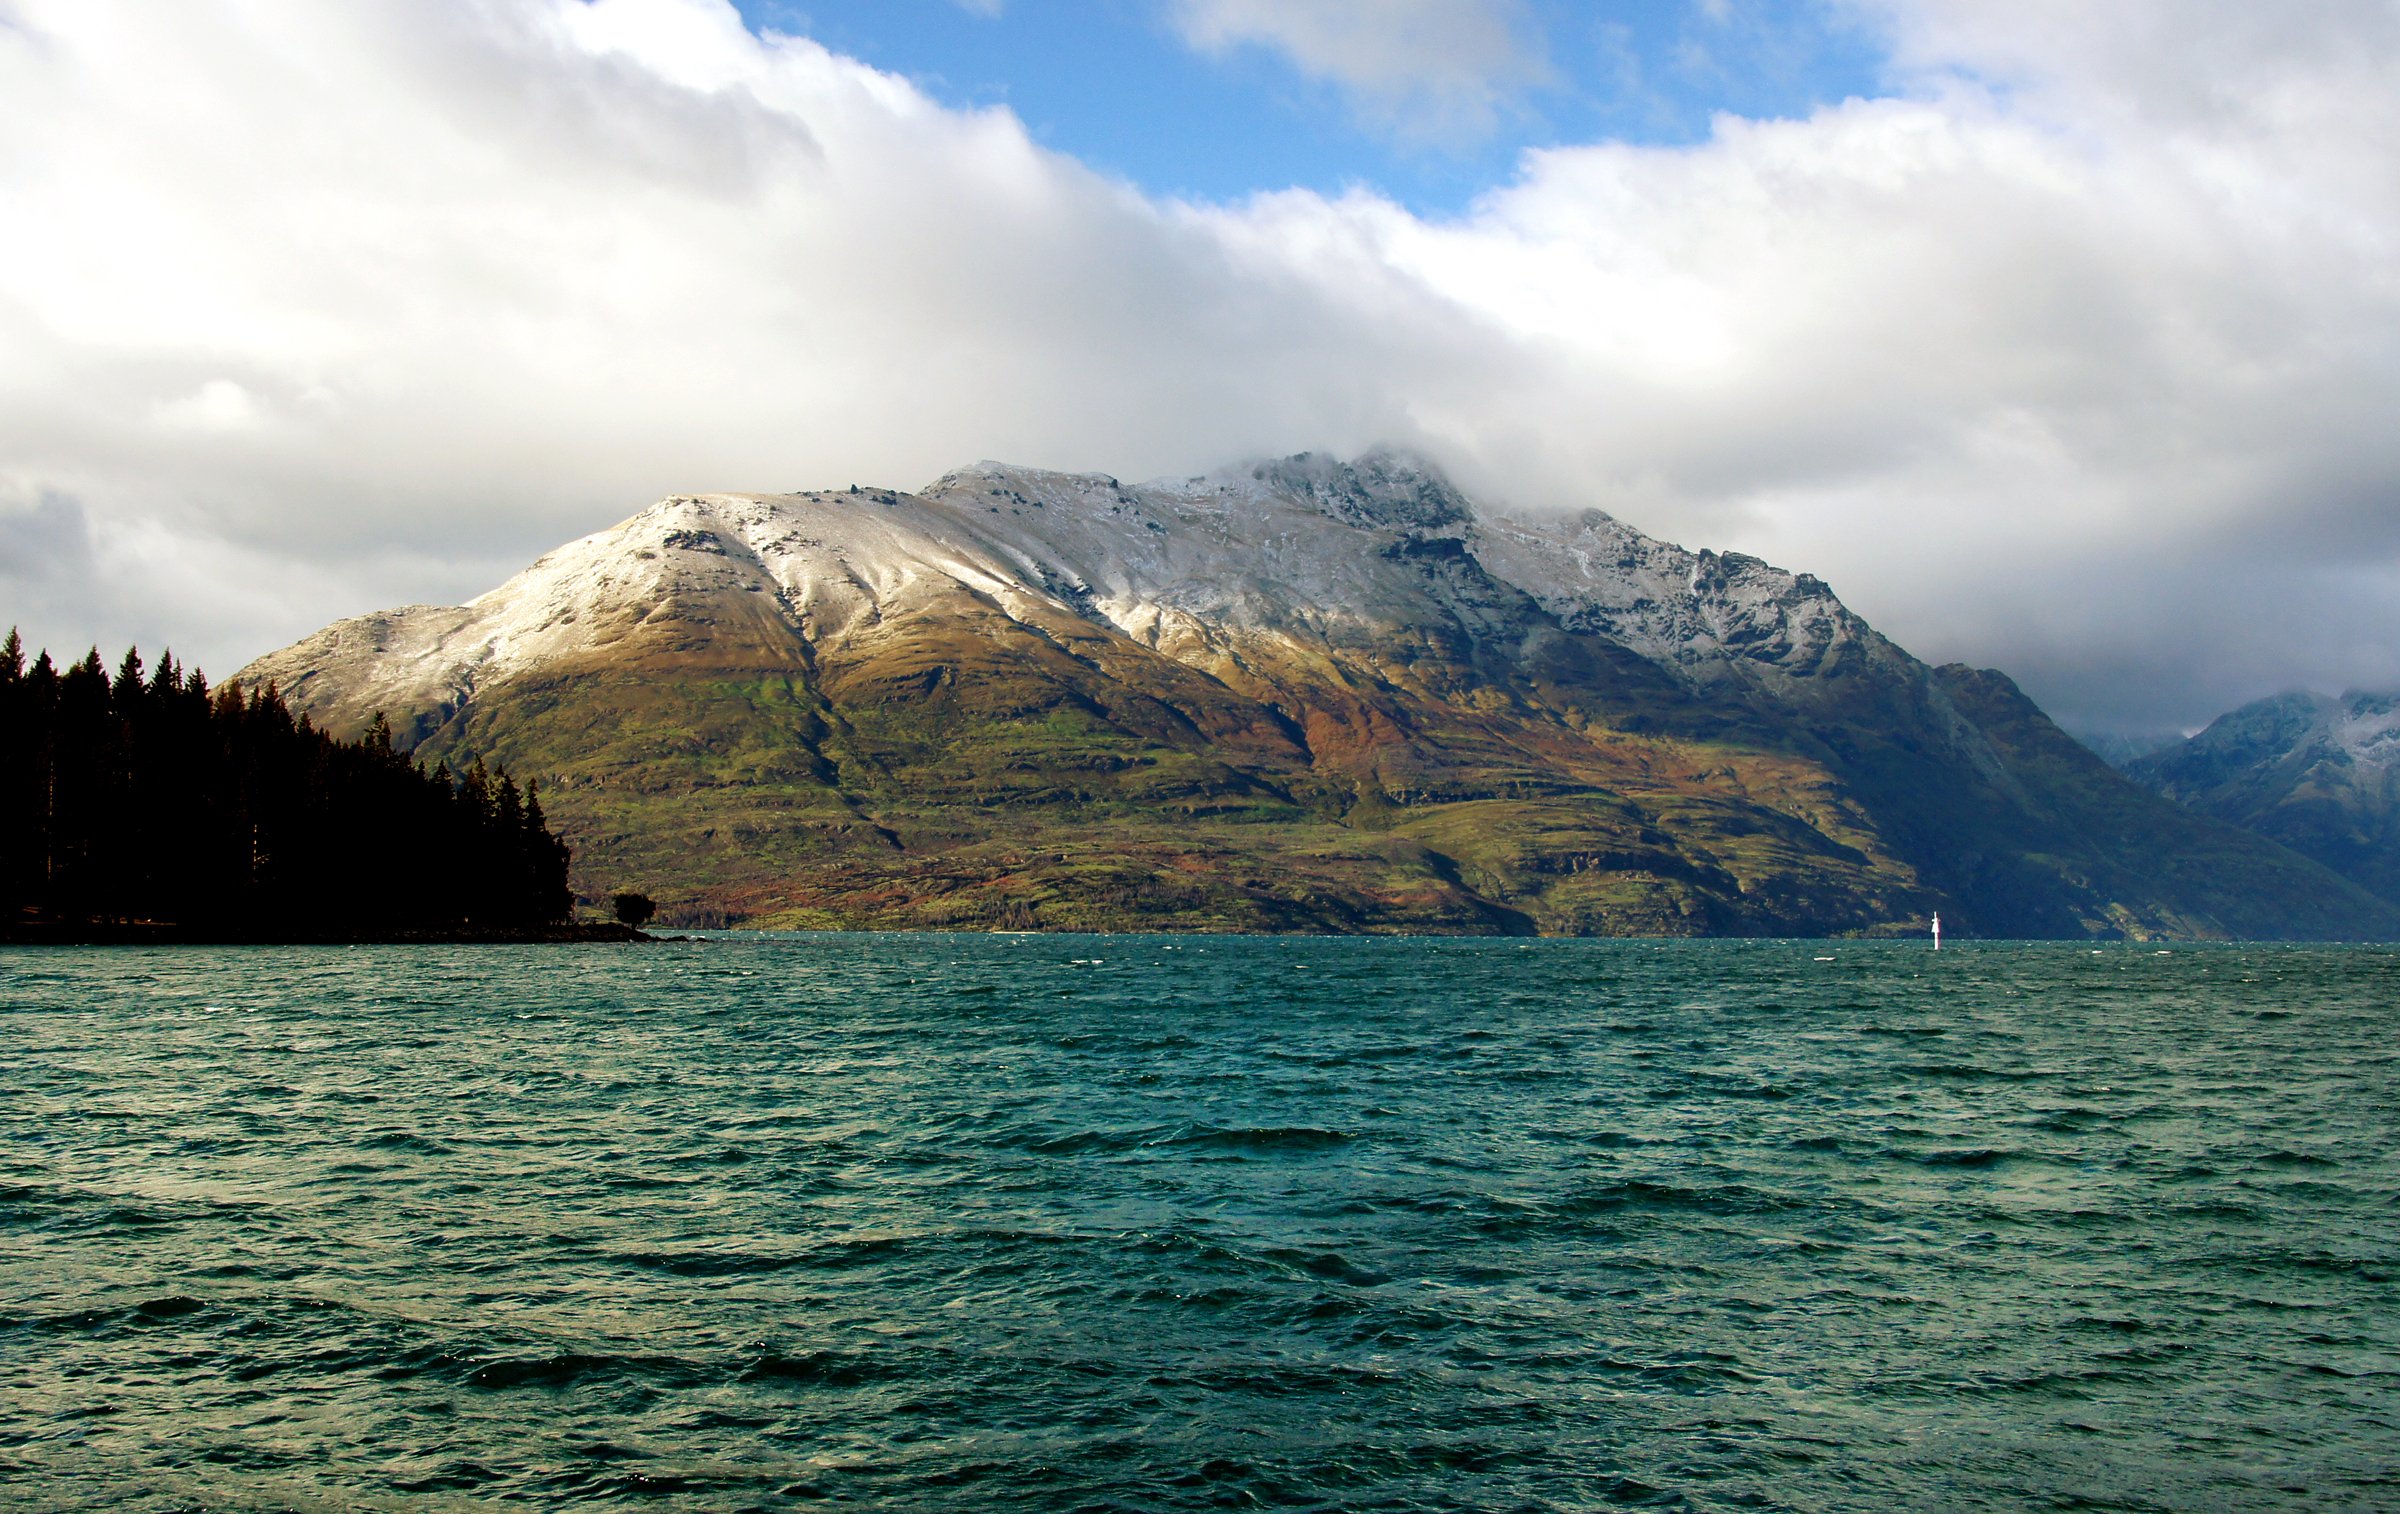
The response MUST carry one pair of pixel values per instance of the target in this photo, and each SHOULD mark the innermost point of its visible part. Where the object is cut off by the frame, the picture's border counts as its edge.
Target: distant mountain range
(2320, 775)
(2121, 750)
(1293, 695)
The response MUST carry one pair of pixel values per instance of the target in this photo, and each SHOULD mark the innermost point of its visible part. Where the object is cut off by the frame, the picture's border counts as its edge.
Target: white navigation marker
(1937, 932)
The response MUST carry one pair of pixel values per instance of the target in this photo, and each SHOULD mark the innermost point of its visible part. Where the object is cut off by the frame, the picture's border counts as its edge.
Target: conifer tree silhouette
(150, 796)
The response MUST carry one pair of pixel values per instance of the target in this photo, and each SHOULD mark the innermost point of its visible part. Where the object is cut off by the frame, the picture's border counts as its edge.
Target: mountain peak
(989, 474)
(1384, 487)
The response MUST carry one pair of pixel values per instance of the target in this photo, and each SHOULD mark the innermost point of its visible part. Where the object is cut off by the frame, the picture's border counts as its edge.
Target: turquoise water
(1062, 1223)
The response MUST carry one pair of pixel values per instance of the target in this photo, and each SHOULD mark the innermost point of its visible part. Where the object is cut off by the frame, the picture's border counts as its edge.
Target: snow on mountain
(2366, 729)
(1303, 545)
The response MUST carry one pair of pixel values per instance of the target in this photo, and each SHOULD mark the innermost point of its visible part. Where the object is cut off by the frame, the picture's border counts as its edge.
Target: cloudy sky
(2059, 337)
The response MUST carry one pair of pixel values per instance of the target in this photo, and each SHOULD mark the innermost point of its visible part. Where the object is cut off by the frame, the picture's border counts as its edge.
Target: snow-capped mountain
(2318, 774)
(1299, 692)
(1304, 548)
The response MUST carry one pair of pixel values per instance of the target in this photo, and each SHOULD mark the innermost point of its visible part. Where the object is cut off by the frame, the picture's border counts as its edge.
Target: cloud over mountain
(2074, 354)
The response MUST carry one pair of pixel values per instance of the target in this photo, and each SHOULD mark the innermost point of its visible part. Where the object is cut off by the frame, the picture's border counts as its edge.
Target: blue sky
(1113, 84)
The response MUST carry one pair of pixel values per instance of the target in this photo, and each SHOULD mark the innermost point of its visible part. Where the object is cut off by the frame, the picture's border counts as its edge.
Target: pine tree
(160, 798)
(23, 779)
(548, 894)
(126, 692)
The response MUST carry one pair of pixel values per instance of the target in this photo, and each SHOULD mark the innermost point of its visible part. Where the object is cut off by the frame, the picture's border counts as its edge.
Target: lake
(1164, 1223)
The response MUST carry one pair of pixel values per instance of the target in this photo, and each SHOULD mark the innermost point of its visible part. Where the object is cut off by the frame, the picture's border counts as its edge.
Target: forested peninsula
(148, 806)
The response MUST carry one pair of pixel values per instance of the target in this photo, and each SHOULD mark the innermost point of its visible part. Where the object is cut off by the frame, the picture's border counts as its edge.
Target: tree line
(148, 796)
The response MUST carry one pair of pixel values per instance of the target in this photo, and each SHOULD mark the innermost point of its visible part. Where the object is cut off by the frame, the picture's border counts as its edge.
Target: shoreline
(162, 933)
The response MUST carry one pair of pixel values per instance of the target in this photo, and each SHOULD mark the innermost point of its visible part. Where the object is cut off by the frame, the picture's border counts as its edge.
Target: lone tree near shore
(633, 909)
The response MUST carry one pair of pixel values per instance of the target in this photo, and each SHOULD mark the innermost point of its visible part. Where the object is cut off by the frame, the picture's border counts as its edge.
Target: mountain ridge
(2319, 774)
(1296, 693)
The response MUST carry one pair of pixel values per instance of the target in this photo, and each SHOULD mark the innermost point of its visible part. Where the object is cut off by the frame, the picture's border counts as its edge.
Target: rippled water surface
(1059, 1223)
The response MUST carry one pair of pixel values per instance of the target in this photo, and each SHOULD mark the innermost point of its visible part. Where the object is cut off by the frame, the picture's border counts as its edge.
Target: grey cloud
(2195, 63)
(1427, 68)
(43, 541)
(67, 582)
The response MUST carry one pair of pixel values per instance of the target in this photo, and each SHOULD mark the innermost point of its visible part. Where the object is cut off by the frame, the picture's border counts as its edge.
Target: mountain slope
(1300, 694)
(2319, 775)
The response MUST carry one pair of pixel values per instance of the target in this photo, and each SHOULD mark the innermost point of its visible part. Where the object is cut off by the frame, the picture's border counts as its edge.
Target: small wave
(858, 1251)
(1702, 1369)
(1078, 1143)
(825, 1369)
(85, 1210)
(1263, 1137)
(2072, 1386)
(565, 1368)
(2111, 1324)
(2294, 1159)
(139, 1217)
(1445, 1202)
(1330, 1265)
(450, 1477)
(1218, 1298)
(401, 1140)
(1727, 1088)
(1636, 1194)
(1960, 1156)
(539, 1371)
(638, 1181)
(1325, 1381)
(1227, 1137)
(2073, 1120)
(281, 1273)
(703, 1263)
(2215, 1209)
(1969, 1071)
(106, 1319)
(616, 1485)
(172, 1306)
(721, 1156)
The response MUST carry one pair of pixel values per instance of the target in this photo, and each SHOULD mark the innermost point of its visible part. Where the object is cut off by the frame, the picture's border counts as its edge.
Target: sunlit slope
(1294, 695)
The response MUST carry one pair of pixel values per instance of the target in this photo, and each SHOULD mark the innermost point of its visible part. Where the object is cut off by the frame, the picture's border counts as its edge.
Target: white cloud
(1430, 69)
(2227, 63)
(2069, 360)
(218, 405)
